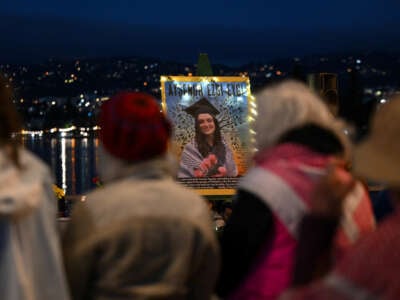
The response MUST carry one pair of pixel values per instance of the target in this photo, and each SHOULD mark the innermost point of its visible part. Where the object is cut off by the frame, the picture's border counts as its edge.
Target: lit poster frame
(231, 97)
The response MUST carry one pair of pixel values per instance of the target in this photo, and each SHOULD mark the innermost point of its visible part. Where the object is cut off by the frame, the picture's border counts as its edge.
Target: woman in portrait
(207, 155)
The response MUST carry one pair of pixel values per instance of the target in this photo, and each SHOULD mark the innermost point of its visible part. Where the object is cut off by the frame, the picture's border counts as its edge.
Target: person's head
(205, 121)
(133, 129)
(227, 210)
(210, 204)
(9, 121)
(288, 105)
(315, 137)
(377, 157)
(207, 129)
(205, 124)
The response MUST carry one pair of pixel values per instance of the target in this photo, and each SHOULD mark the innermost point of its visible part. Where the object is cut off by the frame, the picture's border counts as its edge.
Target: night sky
(230, 32)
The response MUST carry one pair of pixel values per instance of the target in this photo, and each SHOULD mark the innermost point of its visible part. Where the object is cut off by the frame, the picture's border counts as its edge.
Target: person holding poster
(207, 155)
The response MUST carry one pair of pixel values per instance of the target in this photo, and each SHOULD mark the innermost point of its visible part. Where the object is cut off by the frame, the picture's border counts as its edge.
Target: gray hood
(21, 190)
(111, 168)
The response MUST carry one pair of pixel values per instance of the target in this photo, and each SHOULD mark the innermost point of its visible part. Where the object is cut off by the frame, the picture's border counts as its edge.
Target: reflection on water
(72, 160)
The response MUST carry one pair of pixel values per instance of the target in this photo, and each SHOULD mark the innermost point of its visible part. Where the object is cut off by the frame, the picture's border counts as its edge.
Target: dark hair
(315, 137)
(205, 149)
(9, 121)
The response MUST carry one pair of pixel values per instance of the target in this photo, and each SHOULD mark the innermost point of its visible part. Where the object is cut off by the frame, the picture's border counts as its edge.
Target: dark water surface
(71, 159)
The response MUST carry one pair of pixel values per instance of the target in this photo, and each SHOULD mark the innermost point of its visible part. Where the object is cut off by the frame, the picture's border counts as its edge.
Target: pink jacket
(284, 178)
(368, 271)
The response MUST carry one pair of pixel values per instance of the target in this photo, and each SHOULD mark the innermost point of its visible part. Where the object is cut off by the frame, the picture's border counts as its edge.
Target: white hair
(288, 105)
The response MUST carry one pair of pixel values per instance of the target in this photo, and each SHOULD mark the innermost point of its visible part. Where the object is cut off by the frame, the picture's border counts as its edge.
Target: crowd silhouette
(301, 224)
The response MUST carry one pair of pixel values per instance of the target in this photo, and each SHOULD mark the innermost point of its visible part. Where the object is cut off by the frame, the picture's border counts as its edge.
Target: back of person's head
(133, 128)
(287, 105)
(377, 157)
(316, 138)
(9, 120)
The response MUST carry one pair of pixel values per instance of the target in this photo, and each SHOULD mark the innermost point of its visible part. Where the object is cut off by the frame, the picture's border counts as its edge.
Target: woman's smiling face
(206, 123)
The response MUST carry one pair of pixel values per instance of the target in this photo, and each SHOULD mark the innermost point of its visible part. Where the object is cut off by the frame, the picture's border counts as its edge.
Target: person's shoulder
(190, 147)
(183, 197)
(180, 190)
(33, 166)
(28, 158)
(191, 144)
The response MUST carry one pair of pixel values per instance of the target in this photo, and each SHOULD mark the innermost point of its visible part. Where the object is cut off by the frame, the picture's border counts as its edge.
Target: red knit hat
(133, 128)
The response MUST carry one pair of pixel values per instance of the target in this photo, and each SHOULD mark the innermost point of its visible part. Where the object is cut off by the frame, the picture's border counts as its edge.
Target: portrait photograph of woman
(207, 155)
(211, 143)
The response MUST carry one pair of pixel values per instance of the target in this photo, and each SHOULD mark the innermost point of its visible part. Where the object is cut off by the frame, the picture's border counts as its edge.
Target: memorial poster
(212, 140)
